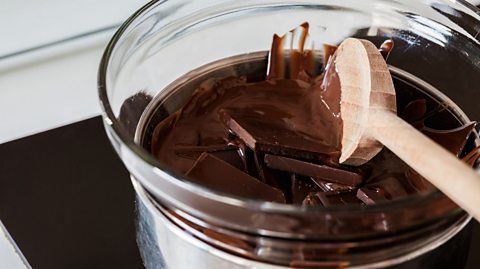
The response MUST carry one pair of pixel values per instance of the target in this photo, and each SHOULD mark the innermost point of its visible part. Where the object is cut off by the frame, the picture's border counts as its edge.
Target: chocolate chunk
(213, 173)
(301, 187)
(265, 134)
(227, 153)
(244, 153)
(267, 175)
(452, 140)
(326, 186)
(232, 157)
(337, 175)
(132, 109)
(370, 195)
(277, 179)
(335, 198)
(331, 198)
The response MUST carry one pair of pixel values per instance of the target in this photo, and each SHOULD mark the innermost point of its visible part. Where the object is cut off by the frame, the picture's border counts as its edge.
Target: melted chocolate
(453, 140)
(325, 185)
(386, 48)
(216, 174)
(332, 174)
(301, 187)
(278, 138)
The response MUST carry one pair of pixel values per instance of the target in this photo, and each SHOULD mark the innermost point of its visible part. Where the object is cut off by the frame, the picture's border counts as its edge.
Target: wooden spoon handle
(448, 173)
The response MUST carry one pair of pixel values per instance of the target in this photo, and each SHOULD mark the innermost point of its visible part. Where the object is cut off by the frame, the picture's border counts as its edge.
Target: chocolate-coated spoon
(368, 110)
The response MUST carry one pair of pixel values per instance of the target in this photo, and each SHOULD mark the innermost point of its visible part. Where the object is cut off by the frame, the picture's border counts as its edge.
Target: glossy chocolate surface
(282, 134)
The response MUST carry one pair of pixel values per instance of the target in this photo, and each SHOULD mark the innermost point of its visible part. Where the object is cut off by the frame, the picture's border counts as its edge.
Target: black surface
(67, 200)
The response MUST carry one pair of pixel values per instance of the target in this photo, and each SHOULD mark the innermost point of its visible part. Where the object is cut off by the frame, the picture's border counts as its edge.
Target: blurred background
(49, 53)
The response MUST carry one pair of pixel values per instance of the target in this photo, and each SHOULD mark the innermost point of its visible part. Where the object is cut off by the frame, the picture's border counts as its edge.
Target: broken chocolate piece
(227, 153)
(232, 157)
(272, 135)
(132, 109)
(301, 187)
(215, 174)
(452, 140)
(325, 185)
(332, 174)
(274, 178)
(311, 200)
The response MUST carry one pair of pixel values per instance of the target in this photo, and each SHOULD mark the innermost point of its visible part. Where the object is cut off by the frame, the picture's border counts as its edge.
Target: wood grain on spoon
(369, 121)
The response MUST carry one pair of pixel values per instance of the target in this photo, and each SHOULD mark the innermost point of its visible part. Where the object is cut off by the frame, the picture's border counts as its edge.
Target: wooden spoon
(368, 109)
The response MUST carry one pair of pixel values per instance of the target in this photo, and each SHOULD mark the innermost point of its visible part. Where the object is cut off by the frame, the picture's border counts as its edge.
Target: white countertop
(56, 83)
(33, 100)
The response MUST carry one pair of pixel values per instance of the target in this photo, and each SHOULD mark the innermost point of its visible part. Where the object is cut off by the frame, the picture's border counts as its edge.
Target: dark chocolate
(231, 157)
(331, 198)
(218, 175)
(414, 113)
(301, 187)
(278, 138)
(276, 179)
(386, 48)
(274, 135)
(289, 62)
(327, 173)
(325, 185)
(453, 140)
(370, 195)
(132, 109)
(194, 152)
(388, 187)
(312, 200)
